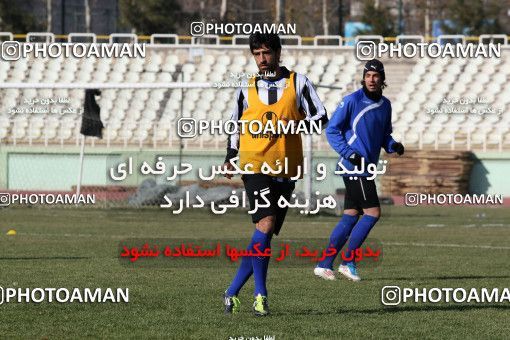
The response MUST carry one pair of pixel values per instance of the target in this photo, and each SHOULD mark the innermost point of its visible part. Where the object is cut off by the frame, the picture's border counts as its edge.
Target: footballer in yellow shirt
(275, 97)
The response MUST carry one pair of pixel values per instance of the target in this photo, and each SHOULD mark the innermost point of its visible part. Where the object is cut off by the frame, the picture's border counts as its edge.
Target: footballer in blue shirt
(359, 128)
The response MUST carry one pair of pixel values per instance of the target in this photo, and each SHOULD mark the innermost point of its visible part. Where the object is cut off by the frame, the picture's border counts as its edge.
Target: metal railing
(240, 40)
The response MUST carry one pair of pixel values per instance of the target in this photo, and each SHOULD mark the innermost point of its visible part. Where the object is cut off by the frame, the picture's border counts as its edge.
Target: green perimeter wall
(55, 168)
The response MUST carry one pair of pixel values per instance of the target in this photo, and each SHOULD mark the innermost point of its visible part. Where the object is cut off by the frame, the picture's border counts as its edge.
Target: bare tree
(325, 28)
(223, 9)
(87, 16)
(280, 11)
(49, 17)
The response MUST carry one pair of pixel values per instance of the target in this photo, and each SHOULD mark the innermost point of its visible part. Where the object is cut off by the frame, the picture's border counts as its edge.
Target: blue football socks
(243, 274)
(248, 265)
(359, 234)
(260, 264)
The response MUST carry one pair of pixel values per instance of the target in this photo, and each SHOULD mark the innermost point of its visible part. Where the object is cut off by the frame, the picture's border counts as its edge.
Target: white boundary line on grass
(78, 235)
(414, 244)
(484, 225)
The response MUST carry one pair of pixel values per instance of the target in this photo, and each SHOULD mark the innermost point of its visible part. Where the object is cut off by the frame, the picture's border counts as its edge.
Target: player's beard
(374, 95)
(269, 68)
(269, 74)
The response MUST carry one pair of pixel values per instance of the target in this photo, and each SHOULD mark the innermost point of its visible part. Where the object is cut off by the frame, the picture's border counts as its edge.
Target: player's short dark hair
(270, 40)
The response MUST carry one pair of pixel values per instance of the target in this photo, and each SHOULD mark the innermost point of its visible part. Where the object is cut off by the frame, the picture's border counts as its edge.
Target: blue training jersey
(361, 125)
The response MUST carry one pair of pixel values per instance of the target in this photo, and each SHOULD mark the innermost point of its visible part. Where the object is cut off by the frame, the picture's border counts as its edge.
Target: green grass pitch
(423, 247)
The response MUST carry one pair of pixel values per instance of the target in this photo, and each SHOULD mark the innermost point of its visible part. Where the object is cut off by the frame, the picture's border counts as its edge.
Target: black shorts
(360, 194)
(277, 187)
